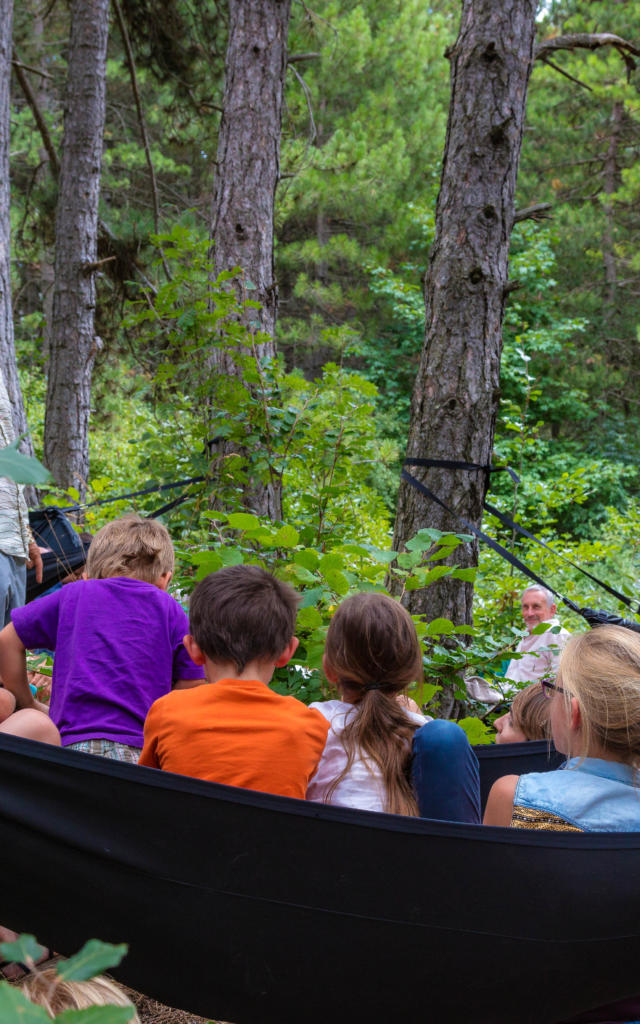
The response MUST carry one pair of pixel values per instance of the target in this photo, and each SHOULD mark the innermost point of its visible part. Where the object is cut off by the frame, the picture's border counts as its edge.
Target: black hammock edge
(236, 903)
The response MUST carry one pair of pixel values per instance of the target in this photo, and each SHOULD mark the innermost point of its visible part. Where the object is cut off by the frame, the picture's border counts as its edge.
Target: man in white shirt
(541, 650)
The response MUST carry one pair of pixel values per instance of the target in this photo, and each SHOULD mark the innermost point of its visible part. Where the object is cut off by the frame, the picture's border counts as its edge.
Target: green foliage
(94, 957)
(22, 468)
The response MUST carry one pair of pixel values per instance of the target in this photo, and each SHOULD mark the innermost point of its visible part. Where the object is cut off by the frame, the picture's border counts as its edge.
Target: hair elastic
(373, 686)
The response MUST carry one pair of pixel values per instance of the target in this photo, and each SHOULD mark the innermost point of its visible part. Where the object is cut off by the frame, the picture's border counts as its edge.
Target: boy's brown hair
(530, 712)
(242, 613)
(131, 546)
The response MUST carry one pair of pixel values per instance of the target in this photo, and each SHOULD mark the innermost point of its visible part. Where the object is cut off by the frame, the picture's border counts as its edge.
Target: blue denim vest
(594, 795)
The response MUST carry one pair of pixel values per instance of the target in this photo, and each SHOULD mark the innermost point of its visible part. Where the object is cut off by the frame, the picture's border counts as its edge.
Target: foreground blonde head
(601, 669)
(131, 546)
(47, 990)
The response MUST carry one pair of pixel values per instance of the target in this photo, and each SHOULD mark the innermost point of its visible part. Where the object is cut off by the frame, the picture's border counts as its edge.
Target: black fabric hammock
(259, 909)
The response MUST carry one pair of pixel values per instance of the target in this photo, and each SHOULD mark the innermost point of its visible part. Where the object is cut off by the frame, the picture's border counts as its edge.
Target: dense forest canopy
(363, 128)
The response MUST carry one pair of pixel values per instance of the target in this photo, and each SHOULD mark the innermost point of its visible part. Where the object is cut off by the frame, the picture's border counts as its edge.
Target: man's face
(535, 609)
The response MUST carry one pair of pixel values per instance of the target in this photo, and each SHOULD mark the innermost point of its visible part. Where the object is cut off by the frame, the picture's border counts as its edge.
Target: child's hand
(39, 706)
(35, 560)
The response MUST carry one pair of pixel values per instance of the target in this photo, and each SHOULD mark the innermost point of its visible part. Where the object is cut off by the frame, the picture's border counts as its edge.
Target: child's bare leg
(31, 725)
(7, 704)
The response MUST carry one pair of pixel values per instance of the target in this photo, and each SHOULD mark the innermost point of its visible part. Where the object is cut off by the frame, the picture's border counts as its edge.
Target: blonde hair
(373, 650)
(46, 989)
(601, 669)
(530, 712)
(131, 546)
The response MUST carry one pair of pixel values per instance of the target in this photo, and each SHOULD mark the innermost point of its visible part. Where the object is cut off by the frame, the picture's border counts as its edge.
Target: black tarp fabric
(498, 759)
(259, 909)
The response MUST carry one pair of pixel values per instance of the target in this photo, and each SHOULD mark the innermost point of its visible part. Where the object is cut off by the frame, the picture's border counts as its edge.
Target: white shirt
(363, 786)
(542, 654)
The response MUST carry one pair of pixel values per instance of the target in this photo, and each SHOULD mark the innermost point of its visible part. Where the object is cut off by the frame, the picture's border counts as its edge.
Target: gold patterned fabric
(531, 817)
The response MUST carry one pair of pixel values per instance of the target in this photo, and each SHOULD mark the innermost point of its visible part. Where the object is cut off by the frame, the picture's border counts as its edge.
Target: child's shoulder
(331, 708)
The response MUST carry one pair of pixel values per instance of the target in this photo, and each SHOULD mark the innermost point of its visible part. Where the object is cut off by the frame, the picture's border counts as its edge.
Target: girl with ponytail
(379, 756)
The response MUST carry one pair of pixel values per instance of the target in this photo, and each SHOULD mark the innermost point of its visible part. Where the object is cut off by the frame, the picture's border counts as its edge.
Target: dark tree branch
(47, 141)
(90, 268)
(556, 67)
(585, 41)
(296, 58)
(28, 67)
(142, 124)
(536, 212)
(305, 88)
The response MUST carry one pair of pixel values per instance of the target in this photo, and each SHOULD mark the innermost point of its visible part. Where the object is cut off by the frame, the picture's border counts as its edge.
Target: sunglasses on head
(548, 688)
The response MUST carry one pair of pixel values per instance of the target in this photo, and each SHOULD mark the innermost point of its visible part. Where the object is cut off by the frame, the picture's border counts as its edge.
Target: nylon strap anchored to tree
(507, 521)
(498, 548)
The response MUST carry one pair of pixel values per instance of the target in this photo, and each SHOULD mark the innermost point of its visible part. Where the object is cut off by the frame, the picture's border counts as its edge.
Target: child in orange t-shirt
(237, 731)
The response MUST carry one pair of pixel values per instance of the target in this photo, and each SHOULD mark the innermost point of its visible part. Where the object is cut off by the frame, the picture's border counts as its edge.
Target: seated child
(30, 724)
(117, 638)
(236, 730)
(527, 718)
(595, 720)
(379, 755)
(48, 990)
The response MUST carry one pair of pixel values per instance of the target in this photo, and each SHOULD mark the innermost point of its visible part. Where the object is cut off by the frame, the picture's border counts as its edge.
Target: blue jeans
(445, 774)
(13, 584)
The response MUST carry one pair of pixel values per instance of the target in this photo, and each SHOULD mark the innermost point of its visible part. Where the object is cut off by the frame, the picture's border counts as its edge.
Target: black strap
(169, 505)
(510, 523)
(502, 551)
(135, 494)
(455, 464)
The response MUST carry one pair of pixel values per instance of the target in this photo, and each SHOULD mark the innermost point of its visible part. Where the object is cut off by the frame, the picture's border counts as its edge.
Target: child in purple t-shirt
(117, 637)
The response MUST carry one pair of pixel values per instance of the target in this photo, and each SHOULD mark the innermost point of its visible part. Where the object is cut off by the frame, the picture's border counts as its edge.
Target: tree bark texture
(73, 344)
(455, 398)
(7, 346)
(247, 174)
(248, 161)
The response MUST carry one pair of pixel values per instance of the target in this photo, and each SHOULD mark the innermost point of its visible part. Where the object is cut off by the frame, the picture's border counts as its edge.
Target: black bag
(52, 529)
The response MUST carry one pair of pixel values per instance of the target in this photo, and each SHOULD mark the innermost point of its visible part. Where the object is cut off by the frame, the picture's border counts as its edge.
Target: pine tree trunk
(455, 399)
(247, 174)
(7, 347)
(73, 344)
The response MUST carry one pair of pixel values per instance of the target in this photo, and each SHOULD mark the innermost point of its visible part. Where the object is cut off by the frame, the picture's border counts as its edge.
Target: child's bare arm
(13, 668)
(186, 684)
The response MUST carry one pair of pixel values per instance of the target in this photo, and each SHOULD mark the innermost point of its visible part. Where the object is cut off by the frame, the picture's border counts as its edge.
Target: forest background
(363, 128)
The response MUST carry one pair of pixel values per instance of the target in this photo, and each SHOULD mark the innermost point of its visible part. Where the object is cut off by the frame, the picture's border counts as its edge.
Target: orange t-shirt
(236, 731)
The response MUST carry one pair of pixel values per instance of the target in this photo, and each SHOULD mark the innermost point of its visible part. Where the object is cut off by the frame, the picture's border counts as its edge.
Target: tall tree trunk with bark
(455, 399)
(73, 343)
(247, 173)
(7, 346)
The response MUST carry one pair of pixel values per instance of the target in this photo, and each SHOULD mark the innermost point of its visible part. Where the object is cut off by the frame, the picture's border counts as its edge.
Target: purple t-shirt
(118, 647)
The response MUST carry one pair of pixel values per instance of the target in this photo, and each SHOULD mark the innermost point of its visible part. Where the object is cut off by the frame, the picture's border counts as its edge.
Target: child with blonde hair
(380, 756)
(117, 638)
(48, 990)
(595, 720)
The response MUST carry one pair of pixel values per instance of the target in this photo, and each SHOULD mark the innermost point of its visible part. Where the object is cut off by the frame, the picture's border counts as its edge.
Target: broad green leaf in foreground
(22, 469)
(94, 957)
(25, 948)
(97, 1015)
(15, 1008)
